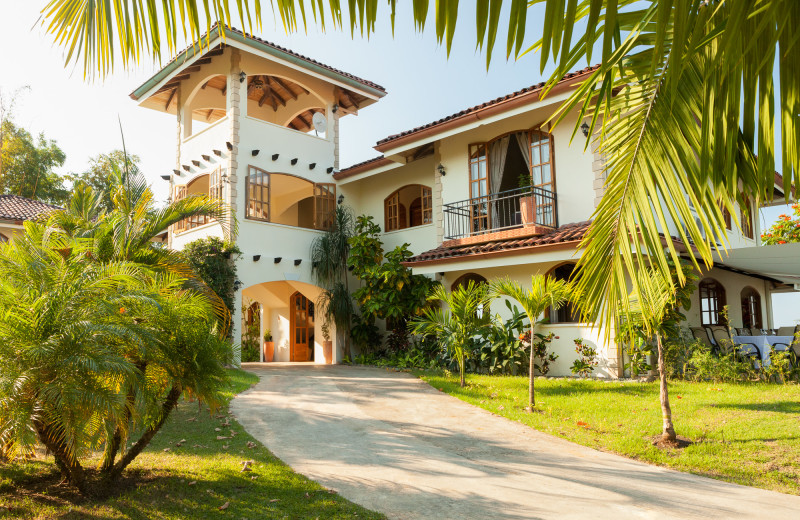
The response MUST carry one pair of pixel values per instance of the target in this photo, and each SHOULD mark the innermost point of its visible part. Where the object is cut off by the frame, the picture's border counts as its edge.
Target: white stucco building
(451, 189)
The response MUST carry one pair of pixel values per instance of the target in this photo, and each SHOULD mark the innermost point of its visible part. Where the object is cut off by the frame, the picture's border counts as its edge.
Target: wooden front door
(301, 311)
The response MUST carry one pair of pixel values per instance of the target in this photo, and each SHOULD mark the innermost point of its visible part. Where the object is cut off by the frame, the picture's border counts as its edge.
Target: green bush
(587, 359)
(501, 350)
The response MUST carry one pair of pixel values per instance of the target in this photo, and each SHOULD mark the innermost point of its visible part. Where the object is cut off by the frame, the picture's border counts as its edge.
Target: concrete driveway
(391, 443)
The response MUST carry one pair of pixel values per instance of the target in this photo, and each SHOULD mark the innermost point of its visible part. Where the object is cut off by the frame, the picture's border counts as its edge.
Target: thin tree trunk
(666, 411)
(461, 368)
(169, 404)
(531, 369)
(69, 466)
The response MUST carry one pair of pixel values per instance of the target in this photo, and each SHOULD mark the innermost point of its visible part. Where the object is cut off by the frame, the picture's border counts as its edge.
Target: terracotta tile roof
(279, 48)
(14, 207)
(362, 166)
(564, 234)
(525, 91)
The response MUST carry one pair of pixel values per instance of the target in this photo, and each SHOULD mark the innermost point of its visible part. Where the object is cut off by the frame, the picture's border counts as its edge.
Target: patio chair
(701, 334)
(793, 346)
(744, 331)
(722, 337)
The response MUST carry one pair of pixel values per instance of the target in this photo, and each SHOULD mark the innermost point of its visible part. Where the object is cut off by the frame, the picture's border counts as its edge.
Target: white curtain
(498, 151)
(524, 142)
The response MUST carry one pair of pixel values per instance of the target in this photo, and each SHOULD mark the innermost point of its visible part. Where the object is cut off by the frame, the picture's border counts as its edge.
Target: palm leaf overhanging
(682, 106)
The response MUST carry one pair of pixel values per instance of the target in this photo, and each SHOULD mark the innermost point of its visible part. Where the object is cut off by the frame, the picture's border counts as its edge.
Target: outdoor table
(764, 344)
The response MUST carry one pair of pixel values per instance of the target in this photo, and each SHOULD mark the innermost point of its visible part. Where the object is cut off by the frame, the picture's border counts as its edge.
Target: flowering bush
(785, 230)
(542, 358)
(587, 359)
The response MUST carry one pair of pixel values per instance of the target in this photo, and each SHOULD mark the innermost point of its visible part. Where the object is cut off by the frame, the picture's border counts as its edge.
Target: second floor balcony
(518, 212)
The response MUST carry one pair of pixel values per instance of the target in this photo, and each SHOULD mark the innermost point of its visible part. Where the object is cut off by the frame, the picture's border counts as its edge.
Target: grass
(743, 433)
(191, 481)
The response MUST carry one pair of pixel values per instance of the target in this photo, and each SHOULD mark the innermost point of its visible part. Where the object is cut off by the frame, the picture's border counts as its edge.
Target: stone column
(232, 188)
(598, 168)
(438, 213)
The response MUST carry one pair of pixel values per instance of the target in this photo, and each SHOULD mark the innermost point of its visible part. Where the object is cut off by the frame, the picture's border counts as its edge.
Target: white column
(236, 326)
(261, 331)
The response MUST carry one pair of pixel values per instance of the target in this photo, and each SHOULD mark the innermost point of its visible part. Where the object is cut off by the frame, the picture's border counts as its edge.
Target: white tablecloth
(764, 344)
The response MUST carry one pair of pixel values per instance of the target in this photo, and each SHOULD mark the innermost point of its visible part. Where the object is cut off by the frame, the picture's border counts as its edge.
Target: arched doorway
(566, 313)
(301, 324)
(751, 308)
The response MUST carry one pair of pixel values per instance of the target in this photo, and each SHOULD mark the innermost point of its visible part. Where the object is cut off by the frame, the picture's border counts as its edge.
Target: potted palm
(269, 346)
(527, 205)
(327, 344)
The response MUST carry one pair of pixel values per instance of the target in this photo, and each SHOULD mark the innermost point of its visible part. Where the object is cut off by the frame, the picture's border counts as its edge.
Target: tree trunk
(69, 466)
(531, 370)
(169, 404)
(666, 412)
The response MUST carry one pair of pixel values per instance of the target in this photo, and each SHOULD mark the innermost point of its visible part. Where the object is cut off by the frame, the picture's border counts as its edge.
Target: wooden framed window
(478, 187)
(215, 184)
(258, 193)
(751, 308)
(712, 302)
(747, 219)
(415, 199)
(324, 205)
(543, 172)
(180, 194)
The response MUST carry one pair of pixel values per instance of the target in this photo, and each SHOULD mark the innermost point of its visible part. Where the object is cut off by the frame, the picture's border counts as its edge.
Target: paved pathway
(391, 443)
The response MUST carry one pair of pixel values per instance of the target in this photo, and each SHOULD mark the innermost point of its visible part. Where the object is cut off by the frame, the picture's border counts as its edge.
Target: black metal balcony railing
(521, 207)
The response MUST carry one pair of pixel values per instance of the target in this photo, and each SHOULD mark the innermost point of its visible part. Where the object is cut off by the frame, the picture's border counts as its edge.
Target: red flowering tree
(785, 230)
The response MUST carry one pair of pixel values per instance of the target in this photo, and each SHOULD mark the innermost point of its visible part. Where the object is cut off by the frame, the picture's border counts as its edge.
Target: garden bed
(201, 478)
(747, 433)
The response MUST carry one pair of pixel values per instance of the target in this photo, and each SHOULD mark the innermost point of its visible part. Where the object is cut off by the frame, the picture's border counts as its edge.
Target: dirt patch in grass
(666, 444)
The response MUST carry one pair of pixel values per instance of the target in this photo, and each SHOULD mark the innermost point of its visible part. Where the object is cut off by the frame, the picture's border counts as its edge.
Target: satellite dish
(320, 123)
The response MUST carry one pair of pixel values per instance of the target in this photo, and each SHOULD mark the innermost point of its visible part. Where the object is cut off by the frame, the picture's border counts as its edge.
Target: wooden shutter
(391, 212)
(215, 184)
(180, 194)
(427, 205)
(258, 194)
(478, 188)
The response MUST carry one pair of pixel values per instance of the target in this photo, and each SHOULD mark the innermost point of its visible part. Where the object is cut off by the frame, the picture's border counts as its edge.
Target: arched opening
(409, 206)
(3, 238)
(282, 101)
(464, 279)
(206, 105)
(286, 199)
(712, 302)
(751, 308)
(566, 313)
(209, 184)
(251, 331)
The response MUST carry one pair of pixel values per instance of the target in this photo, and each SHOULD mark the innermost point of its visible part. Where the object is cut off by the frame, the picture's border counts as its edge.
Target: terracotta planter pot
(327, 351)
(269, 351)
(527, 209)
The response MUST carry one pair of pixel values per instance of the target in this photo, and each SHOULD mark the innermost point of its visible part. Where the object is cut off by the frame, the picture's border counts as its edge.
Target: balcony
(513, 213)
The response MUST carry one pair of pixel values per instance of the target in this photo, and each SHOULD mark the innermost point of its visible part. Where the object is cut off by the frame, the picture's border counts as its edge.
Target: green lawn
(190, 481)
(743, 433)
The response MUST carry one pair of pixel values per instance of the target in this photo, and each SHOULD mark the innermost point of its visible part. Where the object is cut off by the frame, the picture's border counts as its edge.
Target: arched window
(751, 308)
(464, 279)
(567, 313)
(712, 301)
(415, 199)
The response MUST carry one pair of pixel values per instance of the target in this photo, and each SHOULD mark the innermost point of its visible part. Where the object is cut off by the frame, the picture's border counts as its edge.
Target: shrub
(542, 358)
(587, 358)
(366, 335)
(502, 350)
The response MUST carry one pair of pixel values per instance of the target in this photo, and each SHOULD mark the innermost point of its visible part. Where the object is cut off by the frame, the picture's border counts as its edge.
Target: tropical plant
(457, 318)
(103, 170)
(543, 358)
(329, 254)
(94, 352)
(584, 364)
(251, 332)
(503, 350)
(389, 290)
(211, 259)
(785, 231)
(545, 293)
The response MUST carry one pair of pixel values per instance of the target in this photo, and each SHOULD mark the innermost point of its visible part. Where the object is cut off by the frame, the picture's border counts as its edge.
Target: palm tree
(545, 293)
(678, 106)
(329, 253)
(459, 316)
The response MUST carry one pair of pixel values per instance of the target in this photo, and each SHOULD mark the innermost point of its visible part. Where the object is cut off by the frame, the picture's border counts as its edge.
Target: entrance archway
(301, 325)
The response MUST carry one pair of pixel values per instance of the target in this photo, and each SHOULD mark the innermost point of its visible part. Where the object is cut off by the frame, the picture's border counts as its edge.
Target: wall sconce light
(206, 157)
(256, 258)
(335, 108)
(294, 161)
(330, 169)
(585, 129)
(229, 145)
(242, 76)
(312, 166)
(340, 199)
(166, 177)
(297, 262)
(255, 152)
(441, 170)
(278, 259)
(275, 156)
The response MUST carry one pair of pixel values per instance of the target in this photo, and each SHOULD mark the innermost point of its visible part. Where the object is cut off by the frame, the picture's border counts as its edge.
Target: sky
(423, 84)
